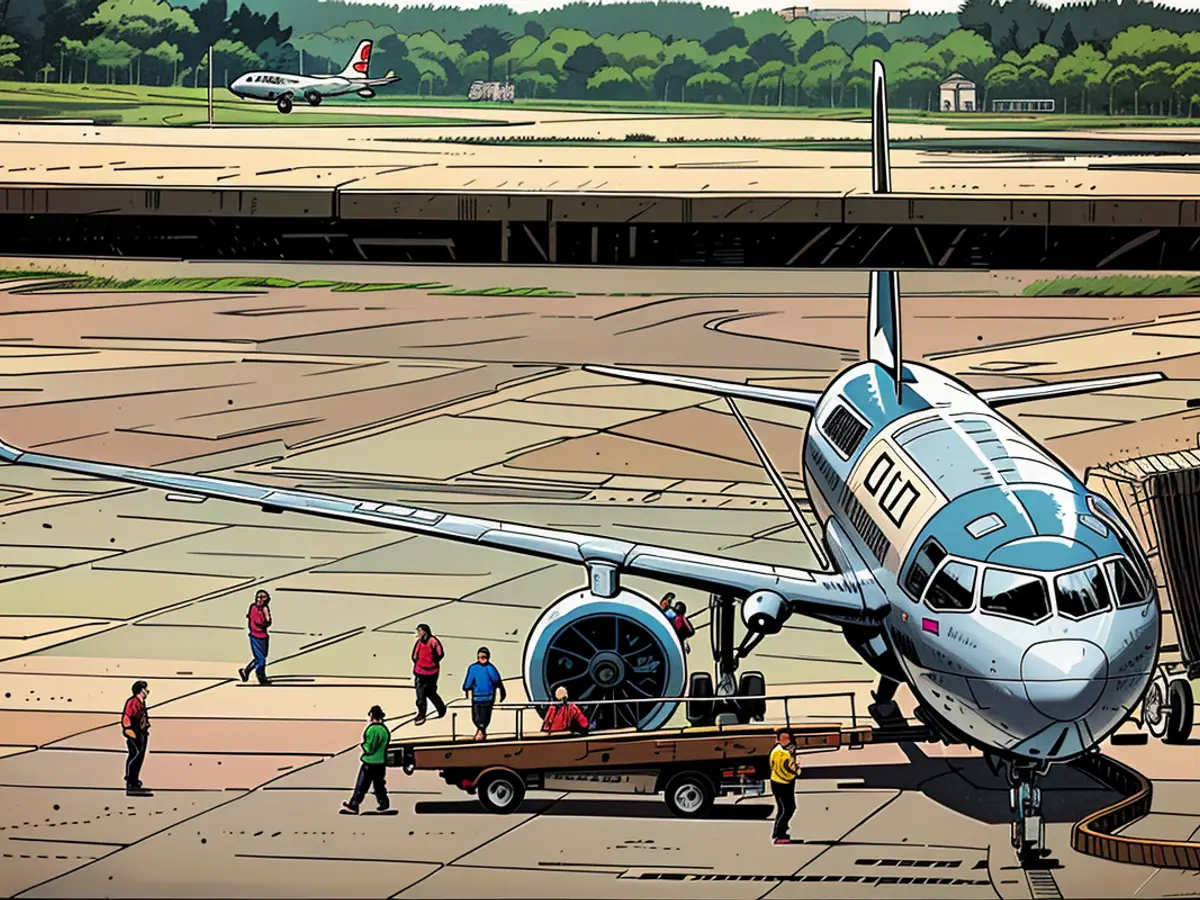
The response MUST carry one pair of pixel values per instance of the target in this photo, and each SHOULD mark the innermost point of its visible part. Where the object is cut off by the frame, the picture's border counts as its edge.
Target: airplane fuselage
(1019, 609)
(273, 85)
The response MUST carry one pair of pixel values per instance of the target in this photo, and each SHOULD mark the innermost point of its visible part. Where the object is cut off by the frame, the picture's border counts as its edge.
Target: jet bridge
(1159, 495)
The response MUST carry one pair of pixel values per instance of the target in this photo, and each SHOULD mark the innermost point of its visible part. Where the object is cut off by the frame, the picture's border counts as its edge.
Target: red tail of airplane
(359, 63)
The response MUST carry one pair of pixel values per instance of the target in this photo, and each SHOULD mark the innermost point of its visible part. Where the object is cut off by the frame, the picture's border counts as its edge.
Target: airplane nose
(1064, 679)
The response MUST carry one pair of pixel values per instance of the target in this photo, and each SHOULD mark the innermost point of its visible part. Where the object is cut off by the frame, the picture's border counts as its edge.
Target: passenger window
(953, 588)
(1014, 594)
(1128, 591)
(1082, 593)
(922, 567)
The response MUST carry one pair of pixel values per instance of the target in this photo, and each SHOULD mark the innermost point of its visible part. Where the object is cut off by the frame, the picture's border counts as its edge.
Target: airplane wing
(805, 400)
(830, 598)
(1004, 396)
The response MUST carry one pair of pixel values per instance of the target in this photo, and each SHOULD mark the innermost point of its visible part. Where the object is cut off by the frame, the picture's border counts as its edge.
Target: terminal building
(876, 11)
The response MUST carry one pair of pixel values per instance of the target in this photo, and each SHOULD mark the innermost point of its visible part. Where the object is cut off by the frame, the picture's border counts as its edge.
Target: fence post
(453, 726)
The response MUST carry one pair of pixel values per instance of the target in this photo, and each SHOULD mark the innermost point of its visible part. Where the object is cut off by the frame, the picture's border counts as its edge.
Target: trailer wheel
(689, 795)
(700, 709)
(753, 684)
(1179, 711)
(500, 791)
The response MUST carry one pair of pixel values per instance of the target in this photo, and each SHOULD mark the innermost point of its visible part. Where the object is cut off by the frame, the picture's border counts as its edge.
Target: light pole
(210, 86)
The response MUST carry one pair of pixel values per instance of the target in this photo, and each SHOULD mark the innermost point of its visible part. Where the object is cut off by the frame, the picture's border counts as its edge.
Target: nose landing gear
(1025, 799)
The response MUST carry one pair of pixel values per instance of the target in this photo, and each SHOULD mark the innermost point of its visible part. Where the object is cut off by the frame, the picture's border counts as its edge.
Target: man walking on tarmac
(259, 617)
(481, 684)
(372, 774)
(784, 770)
(135, 723)
(427, 657)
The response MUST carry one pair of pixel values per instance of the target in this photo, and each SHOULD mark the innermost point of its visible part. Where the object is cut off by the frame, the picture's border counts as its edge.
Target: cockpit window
(1128, 545)
(922, 567)
(953, 588)
(1126, 587)
(1082, 593)
(1014, 594)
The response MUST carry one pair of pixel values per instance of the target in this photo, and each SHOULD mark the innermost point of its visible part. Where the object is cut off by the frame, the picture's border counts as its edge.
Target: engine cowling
(764, 612)
(619, 648)
(366, 92)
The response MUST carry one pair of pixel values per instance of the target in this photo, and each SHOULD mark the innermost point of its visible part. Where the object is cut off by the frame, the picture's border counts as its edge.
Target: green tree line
(1104, 56)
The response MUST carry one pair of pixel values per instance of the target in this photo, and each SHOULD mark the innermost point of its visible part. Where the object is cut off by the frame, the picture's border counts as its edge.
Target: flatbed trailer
(690, 767)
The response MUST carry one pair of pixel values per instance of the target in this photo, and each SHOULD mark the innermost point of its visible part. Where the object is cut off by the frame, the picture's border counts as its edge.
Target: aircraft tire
(1156, 707)
(313, 98)
(701, 709)
(284, 104)
(753, 684)
(1179, 712)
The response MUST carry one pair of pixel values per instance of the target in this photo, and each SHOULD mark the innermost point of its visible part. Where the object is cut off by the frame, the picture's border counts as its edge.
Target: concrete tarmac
(475, 403)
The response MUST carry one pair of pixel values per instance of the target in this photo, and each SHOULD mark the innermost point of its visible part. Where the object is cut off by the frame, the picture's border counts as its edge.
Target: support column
(632, 242)
(595, 244)
(552, 250)
(504, 240)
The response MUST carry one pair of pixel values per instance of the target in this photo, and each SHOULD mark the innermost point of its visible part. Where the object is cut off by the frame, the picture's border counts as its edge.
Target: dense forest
(1095, 57)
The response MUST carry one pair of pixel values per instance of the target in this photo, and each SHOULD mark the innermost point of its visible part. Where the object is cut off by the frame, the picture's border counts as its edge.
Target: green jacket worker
(373, 772)
(784, 771)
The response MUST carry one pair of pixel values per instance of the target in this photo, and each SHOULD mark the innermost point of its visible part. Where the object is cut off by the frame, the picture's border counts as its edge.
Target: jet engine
(619, 648)
(764, 612)
(367, 92)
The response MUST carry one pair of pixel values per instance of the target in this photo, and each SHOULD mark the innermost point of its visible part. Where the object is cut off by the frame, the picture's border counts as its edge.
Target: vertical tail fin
(883, 336)
(359, 63)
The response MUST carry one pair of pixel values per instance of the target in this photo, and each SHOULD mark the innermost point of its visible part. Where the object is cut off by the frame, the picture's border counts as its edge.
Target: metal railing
(519, 708)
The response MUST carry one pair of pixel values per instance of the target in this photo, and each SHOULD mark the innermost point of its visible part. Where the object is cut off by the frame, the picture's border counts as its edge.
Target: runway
(468, 402)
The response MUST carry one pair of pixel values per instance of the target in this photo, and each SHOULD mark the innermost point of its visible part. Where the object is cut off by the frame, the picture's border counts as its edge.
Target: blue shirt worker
(482, 683)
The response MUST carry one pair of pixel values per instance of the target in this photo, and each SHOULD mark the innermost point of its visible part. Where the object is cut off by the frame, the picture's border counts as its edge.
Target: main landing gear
(1025, 799)
(709, 702)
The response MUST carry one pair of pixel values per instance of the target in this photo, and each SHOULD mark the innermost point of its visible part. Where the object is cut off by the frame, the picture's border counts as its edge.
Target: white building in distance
(877, 11)
(957, 94)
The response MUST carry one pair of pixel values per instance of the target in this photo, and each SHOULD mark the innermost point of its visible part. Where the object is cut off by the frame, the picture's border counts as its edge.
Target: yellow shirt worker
(784, 771)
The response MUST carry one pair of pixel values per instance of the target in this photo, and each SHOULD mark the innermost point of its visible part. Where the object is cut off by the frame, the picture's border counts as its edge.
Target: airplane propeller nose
(1065, 678)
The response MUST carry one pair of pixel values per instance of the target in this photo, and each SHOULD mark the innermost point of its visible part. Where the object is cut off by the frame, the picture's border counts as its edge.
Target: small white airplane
(281, 87)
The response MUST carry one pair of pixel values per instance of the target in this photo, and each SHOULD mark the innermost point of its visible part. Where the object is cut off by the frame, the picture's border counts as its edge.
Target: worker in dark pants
(427, 659)
(135, 723)
(372, 774)
(784, 771)
(481, 685)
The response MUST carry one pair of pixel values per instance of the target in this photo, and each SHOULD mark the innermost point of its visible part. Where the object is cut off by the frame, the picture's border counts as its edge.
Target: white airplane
(282, 87)
(960, 559)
